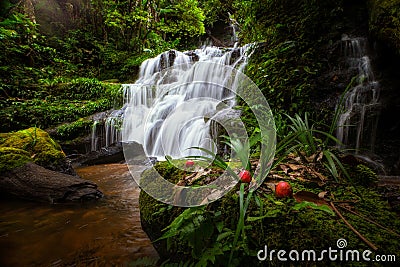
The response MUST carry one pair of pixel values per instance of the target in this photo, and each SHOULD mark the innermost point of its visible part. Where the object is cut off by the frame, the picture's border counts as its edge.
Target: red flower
(245, 176)
(189, 163)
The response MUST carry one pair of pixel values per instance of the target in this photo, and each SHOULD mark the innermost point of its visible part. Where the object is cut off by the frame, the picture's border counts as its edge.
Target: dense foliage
(59, 79)
(205, 235)
(292, 57)
(291, 68)
(114, 37)
(385, 22)
(47, 105)
(40, 75)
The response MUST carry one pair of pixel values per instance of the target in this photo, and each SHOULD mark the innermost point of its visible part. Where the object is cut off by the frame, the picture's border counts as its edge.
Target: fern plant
(203, 230)
(305, 139)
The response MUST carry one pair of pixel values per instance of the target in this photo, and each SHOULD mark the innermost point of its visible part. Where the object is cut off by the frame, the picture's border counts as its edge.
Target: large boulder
(34, 167)
(33, 144)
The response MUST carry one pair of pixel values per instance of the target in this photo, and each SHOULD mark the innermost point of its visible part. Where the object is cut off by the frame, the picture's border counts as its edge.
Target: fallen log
(33, 182)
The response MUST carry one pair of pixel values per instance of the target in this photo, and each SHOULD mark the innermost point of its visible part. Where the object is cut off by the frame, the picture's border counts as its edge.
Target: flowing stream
(168, 110)
(103, 233)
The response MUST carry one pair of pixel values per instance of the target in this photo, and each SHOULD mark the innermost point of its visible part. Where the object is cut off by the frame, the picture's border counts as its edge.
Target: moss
(11, 158)
(363, 175)
(37, 144)
(152, 210)
(283, 226)
(70, 131)
(53, 104)
(148, 178)
(155, 216)
(384, 22)
(150, 206)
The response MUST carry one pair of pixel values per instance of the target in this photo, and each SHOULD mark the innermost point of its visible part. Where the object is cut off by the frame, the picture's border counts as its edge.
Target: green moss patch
(31, 144)
(55, 102)
(11, 158)
(70, 131)
(385, 22)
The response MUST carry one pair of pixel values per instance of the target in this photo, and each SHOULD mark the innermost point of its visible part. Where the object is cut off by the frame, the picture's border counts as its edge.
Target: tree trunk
(33, 182)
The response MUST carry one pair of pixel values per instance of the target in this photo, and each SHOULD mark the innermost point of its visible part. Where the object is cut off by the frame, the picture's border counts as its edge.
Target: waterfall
(169, 108)
(360, 109)
(106, 129)
(234, 25)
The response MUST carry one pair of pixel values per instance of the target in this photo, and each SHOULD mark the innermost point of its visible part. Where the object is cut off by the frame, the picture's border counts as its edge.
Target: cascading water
(106, 129)
(234, 25)
(167, 108)
(359, 118)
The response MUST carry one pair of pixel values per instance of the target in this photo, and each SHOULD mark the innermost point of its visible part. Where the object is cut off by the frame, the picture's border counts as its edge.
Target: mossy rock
(152, 210)
(11, 158)
(74, 130)
(34, 145)
(363, 175)
(281, 224)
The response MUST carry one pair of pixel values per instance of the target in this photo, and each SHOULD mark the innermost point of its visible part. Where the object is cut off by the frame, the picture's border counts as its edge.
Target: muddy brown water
(103, 233)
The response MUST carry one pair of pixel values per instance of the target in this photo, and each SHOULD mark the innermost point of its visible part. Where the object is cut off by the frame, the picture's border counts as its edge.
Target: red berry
(283, 189)
(189, 163)
(245, 176)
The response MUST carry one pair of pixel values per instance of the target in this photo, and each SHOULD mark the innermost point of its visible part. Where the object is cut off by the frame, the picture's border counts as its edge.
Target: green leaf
(270, 214)
(306, 204)
(220, 226)
(169, 159)
(224, 235)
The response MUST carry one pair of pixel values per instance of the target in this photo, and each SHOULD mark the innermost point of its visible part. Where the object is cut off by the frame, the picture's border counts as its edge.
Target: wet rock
(390, 189)
(81, 140)
(167, 59)
(111, 154)
(33, 182)
(193, 56)
(220, 122)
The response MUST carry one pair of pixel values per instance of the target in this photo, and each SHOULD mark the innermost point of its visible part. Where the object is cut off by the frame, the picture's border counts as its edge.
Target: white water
(358, 121)
(166, 110)
(106, 129)
(234, 25)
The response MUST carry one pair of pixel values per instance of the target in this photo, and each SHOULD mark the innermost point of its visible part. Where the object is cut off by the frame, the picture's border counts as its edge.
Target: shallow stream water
(102, 233)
